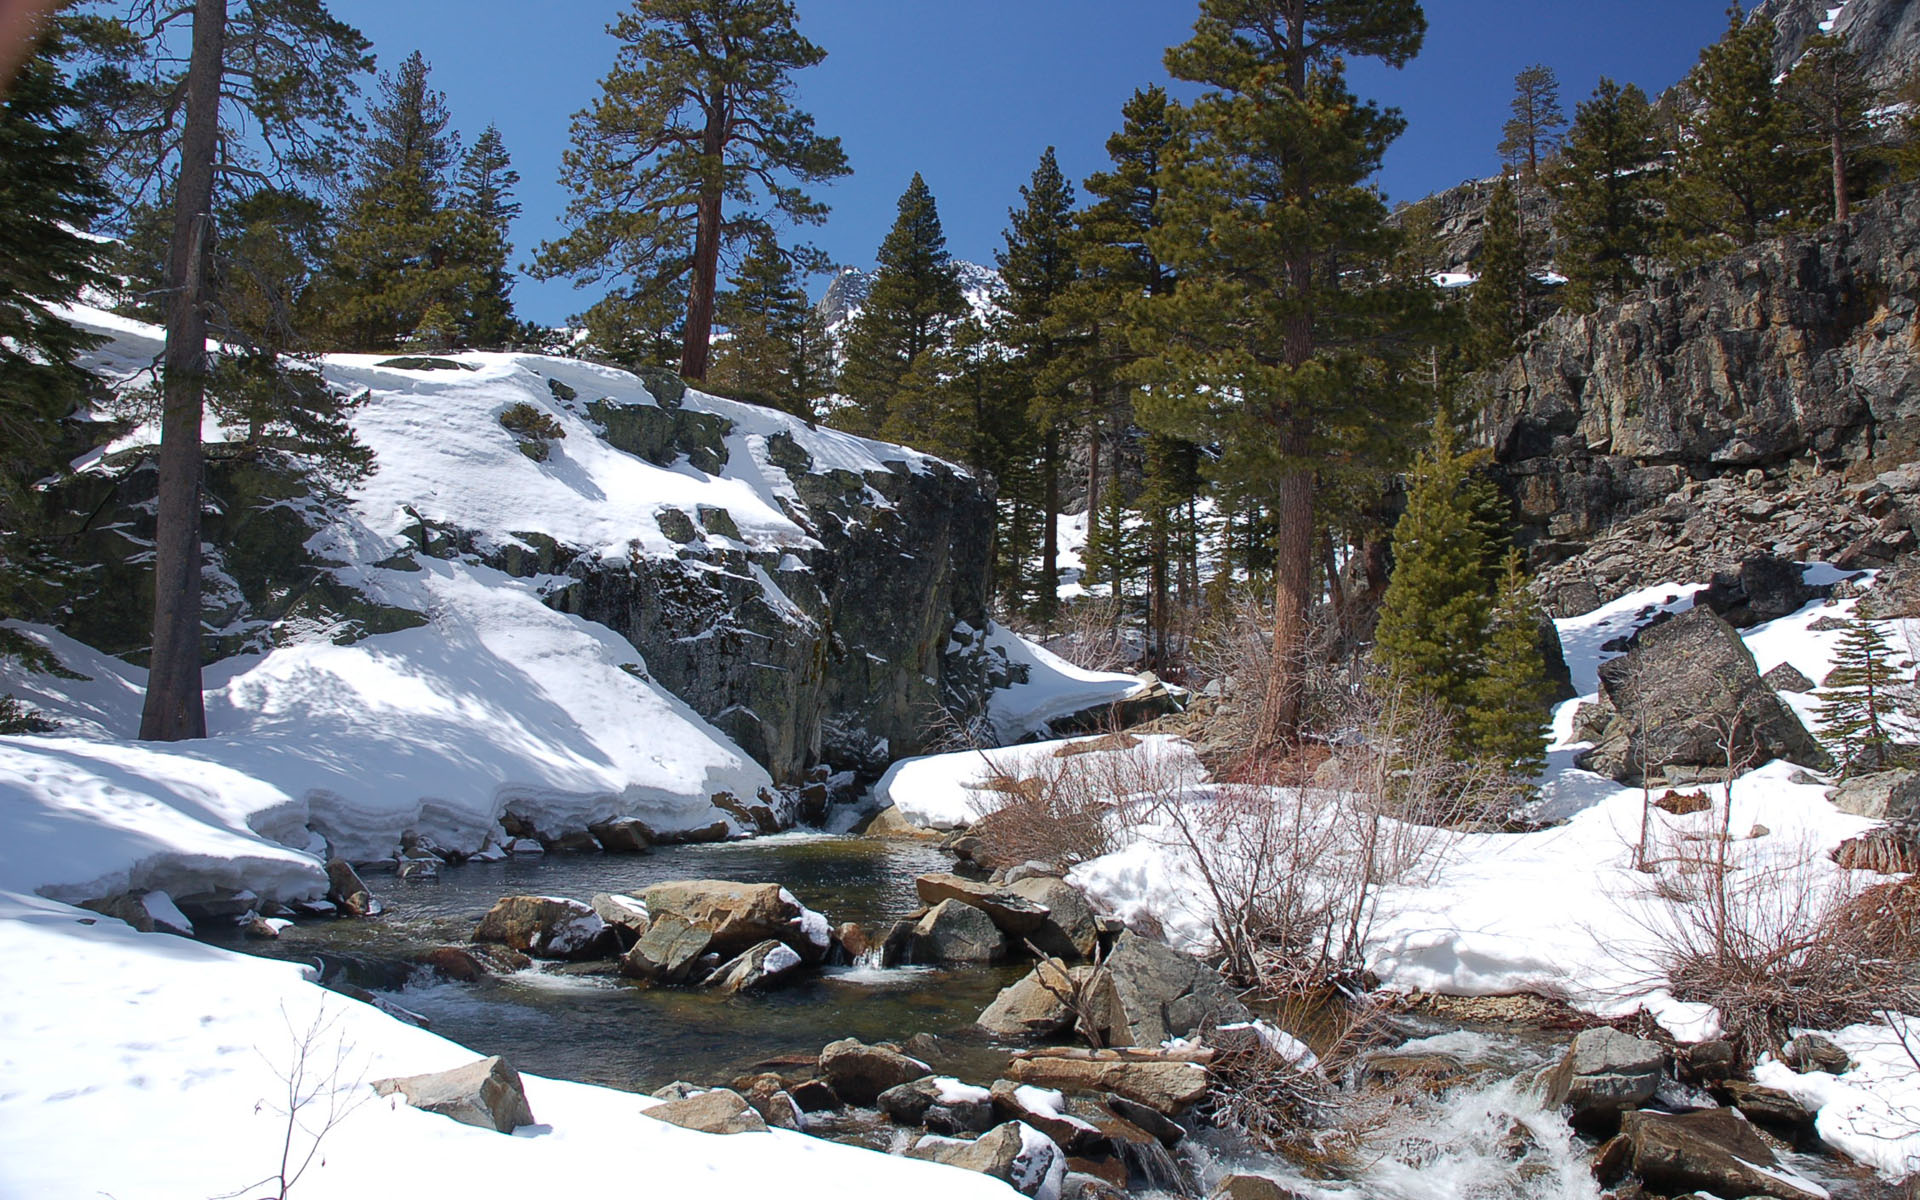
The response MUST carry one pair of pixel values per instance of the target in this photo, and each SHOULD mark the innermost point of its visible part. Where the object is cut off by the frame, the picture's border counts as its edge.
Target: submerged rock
(345, 889)
(487, 1093)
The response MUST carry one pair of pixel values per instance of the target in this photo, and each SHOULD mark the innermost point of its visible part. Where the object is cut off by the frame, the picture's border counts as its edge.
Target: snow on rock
(947, 791)
(1871, 1112)
(179, 1065)
(1053, 687)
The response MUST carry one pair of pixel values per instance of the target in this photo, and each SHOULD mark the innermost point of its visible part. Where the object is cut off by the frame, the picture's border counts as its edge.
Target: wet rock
(1605, 1072)
(939, 1103)
(1011, 913)
(627, 916)
(858, 1073)
(890, 823)
(853, 940)
(1022, 1156)
(487, 1093)
(1250, 1187)
(718, 1111)
(546, 927)
(578, 841)
(1786, 678)
(1881, 796)
(769, 1097)
(814, 1095)
(667, 953)
(1069, 929)
(735, 915)
(1715, 1150)
(1767, 1106)
(1168, 1132)
(1036, 1004)
(1081, 1186)
(896, 949)
(760, 968)
(1046, 1110)
(955, 931)
(1161, 1081)
(1153, 992)
(626, 836)
(1811, 1052)
(458, 964)
(345, 889)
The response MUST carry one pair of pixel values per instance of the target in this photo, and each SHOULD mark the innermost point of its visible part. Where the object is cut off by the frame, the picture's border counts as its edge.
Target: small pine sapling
(1855, 698)
(1506, 714)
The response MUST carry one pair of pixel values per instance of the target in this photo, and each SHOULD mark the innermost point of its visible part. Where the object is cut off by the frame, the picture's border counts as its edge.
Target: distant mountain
(1883, 34)
(847, 294)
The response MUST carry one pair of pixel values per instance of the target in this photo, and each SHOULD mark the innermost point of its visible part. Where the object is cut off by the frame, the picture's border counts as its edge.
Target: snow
(1288, 1048)
(947, 791)
(778, 959)
(948, 1090)
(1870, 1112)
(170, 1048)
(1040, 1168)
(1054, 687)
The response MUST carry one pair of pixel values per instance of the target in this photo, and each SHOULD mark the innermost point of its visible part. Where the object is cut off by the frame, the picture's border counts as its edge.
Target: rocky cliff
(1883, 34)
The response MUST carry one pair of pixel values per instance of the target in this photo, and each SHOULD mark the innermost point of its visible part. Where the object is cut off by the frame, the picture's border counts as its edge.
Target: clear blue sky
(969, 92)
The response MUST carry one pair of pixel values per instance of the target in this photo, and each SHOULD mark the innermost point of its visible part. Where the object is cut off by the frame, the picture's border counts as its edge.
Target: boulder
(1605, 1072)
(769, 1097)
(546, 927)
(858, 1073)
(940, 1103)
(736, 915)
(345, 889)
(1787, 678)
(1035, 1005)
(487, 1093)
(1070, 929)
(1811, 1052)
(1768, 1106)
(470, 966)
(1881, 796)
(760, 968)
(1763, 588)
(626, 915)
(1714, 1150)
(1152, 992)
(1013, 914)
(1163, 1082)
(814, 1095)
(1683, 687)
(1046, 1110)
(1151, 1121)
(955, 931)
(668, 952)
(626, 836)
(1250, 1187)
(718, 1111)
(1019, 1154)
(889, 823)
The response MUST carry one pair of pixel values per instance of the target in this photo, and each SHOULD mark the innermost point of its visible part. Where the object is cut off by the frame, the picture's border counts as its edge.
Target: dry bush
(1093, 634)
(1068, 809)
(1282, 1108)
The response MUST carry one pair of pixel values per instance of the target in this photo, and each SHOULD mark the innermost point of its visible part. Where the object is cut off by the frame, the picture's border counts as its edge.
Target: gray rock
(1035, 1005)
(546, 927)
(1022, 1156)
(939, 1103)
(345, 889)
(1881, 796)
(1605, 1072)
(716, 1111)
(1165, 1082)
(668, 951)
(736, 916)
(1250, 1187)
(858, 1073)
(760, 968)
(955, 931)
(1763, 588)
(1069, 929)
(1787, 678)
(1152, 993)
(1714, 1150)
(1811, 1052)
(1011, 912)
(487, 1093)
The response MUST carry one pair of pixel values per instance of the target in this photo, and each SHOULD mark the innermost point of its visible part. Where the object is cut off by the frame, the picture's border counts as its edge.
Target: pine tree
(1037, 266)
(1533, 132)
(1829, 96)
(397, 254)
(1116, 544)
(1505, 719)
(1269, 343)
(286, 68)
(914, 301)
(1731, 183)
(641, 328)
(49, 194)
(1856, 698)
(767, 316)
(693, 143)
(1606, 217)
(1499, 308)
(1437, 605)
(483, 200)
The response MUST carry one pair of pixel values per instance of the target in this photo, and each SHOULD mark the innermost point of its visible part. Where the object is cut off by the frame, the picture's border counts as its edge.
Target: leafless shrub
(321, 1089)
(1288, 1106)
(1067, 808)
(1081, 991)
(1093, 633)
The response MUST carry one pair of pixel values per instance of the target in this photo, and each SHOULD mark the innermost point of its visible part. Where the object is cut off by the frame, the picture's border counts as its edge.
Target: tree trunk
(174, 709)
(1048, 602)
(706, 253)
(1093, 467)
(1292, 597)
(1840, 207)
(1336, 593)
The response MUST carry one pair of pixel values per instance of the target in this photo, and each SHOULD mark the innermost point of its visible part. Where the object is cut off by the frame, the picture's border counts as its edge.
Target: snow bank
(1870, 1113)
(170, 1050)
(947, 791)
(1054, 688)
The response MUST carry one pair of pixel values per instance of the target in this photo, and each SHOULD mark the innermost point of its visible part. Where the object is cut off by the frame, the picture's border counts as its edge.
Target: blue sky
(969, 92)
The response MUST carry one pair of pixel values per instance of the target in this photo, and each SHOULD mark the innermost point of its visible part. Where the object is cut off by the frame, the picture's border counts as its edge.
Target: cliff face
(1883, 34)
(1795, 358)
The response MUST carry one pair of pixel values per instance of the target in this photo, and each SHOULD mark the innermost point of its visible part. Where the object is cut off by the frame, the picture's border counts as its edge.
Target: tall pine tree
(693, 143)
(1607, 214)
(1533, 132)
(767, 318)
(1829, 97)
(1505, 719)
(1500, 306)
(913, 303)
(483, 200)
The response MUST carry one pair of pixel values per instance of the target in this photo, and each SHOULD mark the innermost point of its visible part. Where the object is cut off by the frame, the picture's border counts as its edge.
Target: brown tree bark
(697, 341)
(174, 708)
(1841, 210)
(1049, 599)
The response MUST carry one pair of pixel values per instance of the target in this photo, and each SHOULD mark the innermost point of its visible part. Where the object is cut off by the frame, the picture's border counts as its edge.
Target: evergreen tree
(397, 254)
(766, 315)
(1606, 218)
(286, 68)
(641, 328)
(1269, 342)
(1856, 698)
(1434, 615)
(1116, 544)
(1499, 308)
(1732, 184)
(1505, 721)
(49, 194)
(1533, 132)
(694, 143)
(913, 303)
(1037, 266)
(483, 198)
(1829, 96)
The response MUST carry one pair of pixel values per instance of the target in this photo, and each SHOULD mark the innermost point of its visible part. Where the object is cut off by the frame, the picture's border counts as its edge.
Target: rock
(487, 1093)
(814, 1095)
(1165, 1084)
(858, 1073)
(1711, 1061)
(1019, 1154)
(718, 1111)
(854, 941)
(1046, 1110)
(345, 889)
(1763, 588)
(1811, 1052)
(1679, 691)
(1152, 1121)
(627, 916)
(760, 968)
(1250, 1187)
(1069, 929)
(1767, 1106)
(1080, 1186)
(471, 966)
(546, 927)
(889, 823)
(1605, 1072)
(667, 953)
(1012, 913)
(578, 841)
(955, 931)
(1714, 1150)
(626, 836)
(941, 1103)
(1785, 678)
(735, 915)
(1153, 992)
(1683, 804)
(769, 1097)
(1036, 1004)
(1881, 796)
